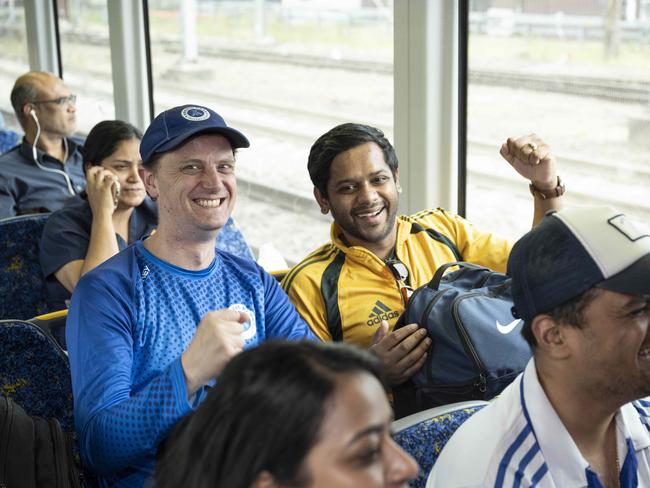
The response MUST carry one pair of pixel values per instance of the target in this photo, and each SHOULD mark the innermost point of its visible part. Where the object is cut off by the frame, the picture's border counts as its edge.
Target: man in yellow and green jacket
(354, 288)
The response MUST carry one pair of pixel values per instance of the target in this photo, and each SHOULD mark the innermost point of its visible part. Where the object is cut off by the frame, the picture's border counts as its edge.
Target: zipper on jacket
(469, 347)
(4, 445)
(403, 288)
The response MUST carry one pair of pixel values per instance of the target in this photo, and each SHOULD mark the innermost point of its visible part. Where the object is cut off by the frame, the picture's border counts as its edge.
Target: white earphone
(32, 112)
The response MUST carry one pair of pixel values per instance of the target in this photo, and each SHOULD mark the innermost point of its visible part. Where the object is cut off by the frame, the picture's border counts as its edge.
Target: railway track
(634, 91)
(617, 90)
(272, 118)
(587, 173)
(579, 193)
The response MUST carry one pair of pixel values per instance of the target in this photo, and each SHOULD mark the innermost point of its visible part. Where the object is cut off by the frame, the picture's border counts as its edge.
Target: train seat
(34, 372)
(8, 140)
(424, 434)
(231, 239)
(22, 285)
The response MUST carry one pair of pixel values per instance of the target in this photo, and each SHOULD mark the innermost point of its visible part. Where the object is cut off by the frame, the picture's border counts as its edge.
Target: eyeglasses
(59, 101)
(401, 274)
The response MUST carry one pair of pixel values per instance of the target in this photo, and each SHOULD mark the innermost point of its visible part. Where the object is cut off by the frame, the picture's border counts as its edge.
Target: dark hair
(545, 255)
(264, 414)
(338, 140)
(103, 139)
(570, 313)
(24, 91)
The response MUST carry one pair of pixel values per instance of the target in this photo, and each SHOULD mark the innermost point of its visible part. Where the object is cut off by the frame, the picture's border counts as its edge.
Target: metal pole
(260, 21)
(188, 30)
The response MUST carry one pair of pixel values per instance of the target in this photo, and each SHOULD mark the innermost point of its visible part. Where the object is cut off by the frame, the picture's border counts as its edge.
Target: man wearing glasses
(354, 288)
(46, 168)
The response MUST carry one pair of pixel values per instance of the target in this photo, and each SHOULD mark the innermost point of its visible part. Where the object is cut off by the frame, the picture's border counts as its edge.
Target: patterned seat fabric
(424, 434)
(8, 140)
(53, 324)
(34, 372)
(22, 286)
(231, 239)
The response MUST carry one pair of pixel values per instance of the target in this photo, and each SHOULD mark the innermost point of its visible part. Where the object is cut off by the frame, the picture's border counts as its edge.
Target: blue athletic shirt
(129, 321)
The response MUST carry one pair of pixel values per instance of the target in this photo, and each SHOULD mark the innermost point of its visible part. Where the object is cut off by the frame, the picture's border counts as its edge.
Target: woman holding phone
(113, 212)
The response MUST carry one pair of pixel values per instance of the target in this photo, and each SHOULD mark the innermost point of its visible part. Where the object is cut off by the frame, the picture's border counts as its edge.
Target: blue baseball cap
(574, 250)
(174, 126)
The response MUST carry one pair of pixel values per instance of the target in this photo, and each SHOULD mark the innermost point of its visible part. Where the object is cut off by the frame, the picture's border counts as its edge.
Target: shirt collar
(25, 150)
(357, 254)
(403, 232)
(628, 422)
(563, 458)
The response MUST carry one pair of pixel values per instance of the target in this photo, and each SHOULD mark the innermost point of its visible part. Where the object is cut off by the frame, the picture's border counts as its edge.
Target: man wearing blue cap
(150, 329)
(576, 416)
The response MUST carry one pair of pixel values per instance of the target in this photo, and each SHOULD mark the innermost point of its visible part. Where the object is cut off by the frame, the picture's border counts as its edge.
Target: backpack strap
(330, 280)
(437, 236)
(434, 284)
(35, 451)
(329, 287)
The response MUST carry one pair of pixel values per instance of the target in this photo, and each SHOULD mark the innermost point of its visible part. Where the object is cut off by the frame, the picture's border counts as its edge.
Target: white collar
(628, 421)
(565, 462)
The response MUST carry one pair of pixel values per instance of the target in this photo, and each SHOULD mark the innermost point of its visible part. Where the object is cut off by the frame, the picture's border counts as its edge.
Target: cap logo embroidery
(628, 227)
(195, 114)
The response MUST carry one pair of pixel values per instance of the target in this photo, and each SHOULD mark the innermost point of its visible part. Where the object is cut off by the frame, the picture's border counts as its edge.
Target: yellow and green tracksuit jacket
(344, 292)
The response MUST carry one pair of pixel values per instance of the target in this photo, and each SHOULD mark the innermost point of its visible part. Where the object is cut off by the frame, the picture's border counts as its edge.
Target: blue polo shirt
(26, 188)
(66, 238)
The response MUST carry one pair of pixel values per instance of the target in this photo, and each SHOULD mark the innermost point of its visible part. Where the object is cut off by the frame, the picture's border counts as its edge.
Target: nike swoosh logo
(506, 329)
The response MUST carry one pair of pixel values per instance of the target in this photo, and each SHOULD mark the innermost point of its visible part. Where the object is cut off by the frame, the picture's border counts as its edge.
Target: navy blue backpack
(477, 345)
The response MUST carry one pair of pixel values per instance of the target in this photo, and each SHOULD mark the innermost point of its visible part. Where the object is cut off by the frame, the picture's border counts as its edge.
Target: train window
(284, 72)
(86, 59)
(13, 55)
(576, 73)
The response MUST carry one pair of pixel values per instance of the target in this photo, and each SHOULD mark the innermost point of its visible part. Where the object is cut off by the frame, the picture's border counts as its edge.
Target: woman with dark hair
(113, 212)
(289, 414)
